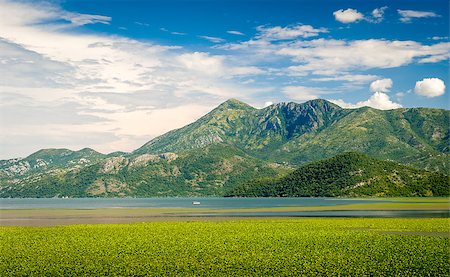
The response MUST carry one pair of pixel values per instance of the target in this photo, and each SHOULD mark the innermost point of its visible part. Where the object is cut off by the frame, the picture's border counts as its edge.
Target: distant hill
(349, 174)
(232, 144)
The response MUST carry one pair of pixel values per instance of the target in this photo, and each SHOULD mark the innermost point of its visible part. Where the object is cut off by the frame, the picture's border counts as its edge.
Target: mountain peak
(43, 153)
(233, 103)
(88, 150)
(321, 103)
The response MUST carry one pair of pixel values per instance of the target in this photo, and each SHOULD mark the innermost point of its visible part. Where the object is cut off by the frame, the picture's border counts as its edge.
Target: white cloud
(202, 62)
(348, 15)
(407, 15)
(383, 85)
(430, 87)
(178, 33)
(208, 65)
(400, 94)
(212, 39)
(332, 57)
(83, 19)
(123, 130)
(379, 12)
(352, 15)
(141, 24)
(268, 103)
(341, 103)
(148, 122)
(235, 33)
(439, 38)
(378, 15)
(302, 93)
(20, 67)
(378, 100)
(338, 55)
(354, 78)
(288, 32)
(98, 81)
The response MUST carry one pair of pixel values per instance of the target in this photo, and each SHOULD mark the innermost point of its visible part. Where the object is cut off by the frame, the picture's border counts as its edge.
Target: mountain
(257, 131)
(232, 144)
(210, 170)
(349, 174)
(48, 160)
(298, 133)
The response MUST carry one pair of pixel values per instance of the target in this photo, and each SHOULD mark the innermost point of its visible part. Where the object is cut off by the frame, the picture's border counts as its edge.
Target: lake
(248, 207)
(173, 202)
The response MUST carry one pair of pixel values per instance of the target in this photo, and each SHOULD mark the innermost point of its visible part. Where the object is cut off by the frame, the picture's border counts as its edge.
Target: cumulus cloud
(348, 15)
(288, 32)
(430, 87)
(378, 100)
(352, 15)
(383, 85)
(407, 15)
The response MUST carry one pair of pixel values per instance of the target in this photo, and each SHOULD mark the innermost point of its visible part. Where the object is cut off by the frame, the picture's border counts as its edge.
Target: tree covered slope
(208, 171)
(349, 174)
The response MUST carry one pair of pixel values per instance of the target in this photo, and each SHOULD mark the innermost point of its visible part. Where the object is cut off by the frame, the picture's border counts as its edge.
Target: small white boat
(195, 203)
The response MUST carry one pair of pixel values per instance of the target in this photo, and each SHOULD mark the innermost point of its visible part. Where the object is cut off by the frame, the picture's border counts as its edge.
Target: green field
(257, 247)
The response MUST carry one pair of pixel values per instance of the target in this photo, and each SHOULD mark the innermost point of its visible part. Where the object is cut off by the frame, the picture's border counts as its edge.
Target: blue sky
(111, 75)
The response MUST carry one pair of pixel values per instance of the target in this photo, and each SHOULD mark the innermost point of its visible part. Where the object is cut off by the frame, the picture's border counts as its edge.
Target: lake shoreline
(54, 212)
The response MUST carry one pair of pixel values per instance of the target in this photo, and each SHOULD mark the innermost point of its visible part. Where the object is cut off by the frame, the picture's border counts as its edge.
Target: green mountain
(256, 131)
(298, 133)
(210, 170)
(48, 160)
(232, 144)
(349, 174)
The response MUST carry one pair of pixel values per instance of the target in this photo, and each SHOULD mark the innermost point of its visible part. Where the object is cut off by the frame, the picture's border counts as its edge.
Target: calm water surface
(220, 204)
(176, 202)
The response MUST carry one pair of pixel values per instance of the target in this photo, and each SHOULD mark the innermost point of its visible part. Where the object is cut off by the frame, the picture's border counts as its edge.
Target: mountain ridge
(272, 140)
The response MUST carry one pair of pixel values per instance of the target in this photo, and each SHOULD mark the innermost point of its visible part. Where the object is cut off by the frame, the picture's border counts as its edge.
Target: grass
(257, 247)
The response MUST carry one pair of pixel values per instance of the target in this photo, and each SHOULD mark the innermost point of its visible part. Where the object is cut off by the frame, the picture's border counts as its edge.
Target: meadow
(250, 247)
